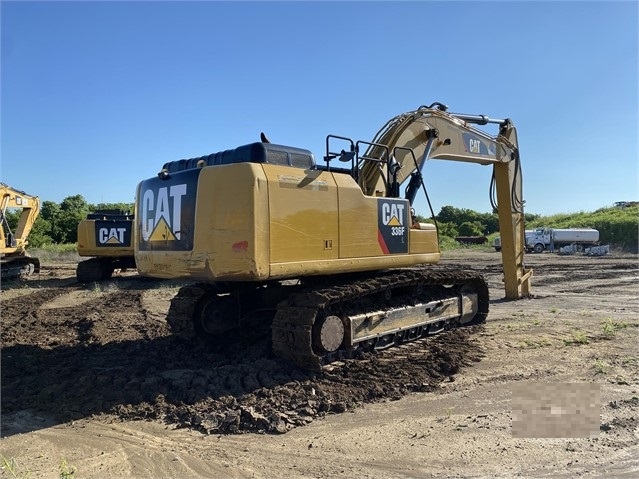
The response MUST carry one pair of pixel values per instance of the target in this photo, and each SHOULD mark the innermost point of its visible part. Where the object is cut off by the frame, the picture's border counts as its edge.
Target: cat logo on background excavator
(113, 233)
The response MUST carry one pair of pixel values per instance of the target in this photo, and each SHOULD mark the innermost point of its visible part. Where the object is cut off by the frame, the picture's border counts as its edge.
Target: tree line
(454, 222)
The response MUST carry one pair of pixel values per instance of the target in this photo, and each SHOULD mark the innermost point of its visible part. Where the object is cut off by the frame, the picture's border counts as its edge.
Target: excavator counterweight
(106, 238)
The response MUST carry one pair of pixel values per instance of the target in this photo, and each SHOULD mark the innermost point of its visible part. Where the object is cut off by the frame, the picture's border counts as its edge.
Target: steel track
(294, 318)
(292, 326)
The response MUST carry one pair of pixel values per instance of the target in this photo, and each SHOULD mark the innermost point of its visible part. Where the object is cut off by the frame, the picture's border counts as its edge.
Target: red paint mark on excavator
(240, 247)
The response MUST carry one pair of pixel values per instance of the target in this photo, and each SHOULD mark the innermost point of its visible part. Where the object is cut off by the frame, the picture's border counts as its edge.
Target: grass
(522, 325)
(534, 344)
(56, 253)
(600, 367)
(610, 327)
(11, 469)
(57, 248)
(578, 337)
(513, 327)
(66, 471)
(449, 412)
(99, 287)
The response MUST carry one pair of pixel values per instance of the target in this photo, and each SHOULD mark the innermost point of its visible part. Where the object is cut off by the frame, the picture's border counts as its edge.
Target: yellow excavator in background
(105, 236)
(330, 255)
(15, 260)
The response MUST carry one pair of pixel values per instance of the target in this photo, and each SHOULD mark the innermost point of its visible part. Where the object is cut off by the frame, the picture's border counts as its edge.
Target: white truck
(552, 239)
(497, 241)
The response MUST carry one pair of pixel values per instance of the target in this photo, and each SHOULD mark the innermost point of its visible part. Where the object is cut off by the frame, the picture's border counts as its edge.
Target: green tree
(73, 209)
(447, 229)
(39, 235)
(49, 214)
(449, 214)
(490, 222)
(49, 210)
(486, 223)
(125, 207)
(471, 228)
(530, 217)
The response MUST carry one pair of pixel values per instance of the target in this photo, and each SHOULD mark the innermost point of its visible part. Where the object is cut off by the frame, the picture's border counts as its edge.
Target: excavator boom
(433, 133)
(401, 148)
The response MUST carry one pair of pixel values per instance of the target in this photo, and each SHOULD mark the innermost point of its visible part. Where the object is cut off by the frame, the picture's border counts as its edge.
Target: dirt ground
(93, 381)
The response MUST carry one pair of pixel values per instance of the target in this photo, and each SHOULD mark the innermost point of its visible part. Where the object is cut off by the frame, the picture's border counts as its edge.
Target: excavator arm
(401, 148)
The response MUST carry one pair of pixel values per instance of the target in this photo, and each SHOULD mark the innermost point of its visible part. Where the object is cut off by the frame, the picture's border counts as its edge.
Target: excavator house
(328, 254)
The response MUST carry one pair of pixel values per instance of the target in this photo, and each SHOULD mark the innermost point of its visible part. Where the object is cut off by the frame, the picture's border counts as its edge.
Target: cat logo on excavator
(114, 235)
(164, 210)
(392, 221)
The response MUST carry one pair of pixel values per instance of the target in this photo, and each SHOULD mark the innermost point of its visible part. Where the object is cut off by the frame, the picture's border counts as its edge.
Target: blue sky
(97, 96)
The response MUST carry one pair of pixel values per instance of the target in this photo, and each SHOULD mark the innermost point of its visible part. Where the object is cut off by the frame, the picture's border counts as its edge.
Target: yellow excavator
(329, 254)
(15, 260)
(105, 236)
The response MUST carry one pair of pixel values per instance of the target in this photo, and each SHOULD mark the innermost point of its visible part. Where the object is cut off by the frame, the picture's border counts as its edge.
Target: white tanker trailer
(552, 239)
